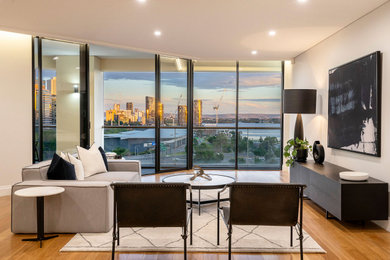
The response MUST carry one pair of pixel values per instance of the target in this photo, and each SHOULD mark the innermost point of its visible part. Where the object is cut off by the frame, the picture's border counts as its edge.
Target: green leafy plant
(120, 151)
(291, 149)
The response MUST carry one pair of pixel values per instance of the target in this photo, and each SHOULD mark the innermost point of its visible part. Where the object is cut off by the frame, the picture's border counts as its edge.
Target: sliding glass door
(123, 88)
(173, 110)
(58, 85)
(259, 114)
(215, 114)
(214, 107)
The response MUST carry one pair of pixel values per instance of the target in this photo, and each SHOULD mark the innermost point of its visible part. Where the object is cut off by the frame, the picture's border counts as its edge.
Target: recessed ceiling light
(141, 1)
(301, 1)
(272, 33)
(253, 52)
(157, 33)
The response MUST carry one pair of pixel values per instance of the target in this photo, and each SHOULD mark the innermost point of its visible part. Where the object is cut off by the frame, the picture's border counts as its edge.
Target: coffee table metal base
(217, 182)
(200, 202)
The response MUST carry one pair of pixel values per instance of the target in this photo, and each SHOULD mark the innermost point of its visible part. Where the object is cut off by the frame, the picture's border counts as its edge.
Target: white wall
(310, 70)
(96, 88)
(15, 108)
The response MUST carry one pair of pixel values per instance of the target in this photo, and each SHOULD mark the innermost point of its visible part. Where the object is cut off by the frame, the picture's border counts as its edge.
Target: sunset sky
(259, 91)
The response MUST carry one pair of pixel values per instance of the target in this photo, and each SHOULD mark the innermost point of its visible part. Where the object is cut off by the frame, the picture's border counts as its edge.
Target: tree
(121, 151)
(205, 153)
(268, 147)
(244, 143)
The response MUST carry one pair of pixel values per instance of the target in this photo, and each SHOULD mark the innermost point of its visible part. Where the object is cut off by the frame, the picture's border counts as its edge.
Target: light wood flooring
(341, 240)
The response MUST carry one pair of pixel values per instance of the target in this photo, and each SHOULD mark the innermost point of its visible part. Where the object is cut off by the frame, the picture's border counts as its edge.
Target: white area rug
(245, 238)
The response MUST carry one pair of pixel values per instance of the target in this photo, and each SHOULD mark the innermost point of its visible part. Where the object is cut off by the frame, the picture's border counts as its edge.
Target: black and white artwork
(354, 106)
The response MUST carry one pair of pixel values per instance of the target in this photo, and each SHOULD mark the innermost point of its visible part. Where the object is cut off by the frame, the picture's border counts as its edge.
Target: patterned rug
(245, 238)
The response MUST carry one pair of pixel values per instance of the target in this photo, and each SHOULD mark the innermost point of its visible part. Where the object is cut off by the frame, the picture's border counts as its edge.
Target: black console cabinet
(345, 200)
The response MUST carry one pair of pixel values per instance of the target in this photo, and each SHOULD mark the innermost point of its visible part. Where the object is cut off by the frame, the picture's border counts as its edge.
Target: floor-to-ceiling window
(174, 113)
(237, 114)
(214, 114)
(123, 82)
(259, 114)
(167, 112)
(57, 89)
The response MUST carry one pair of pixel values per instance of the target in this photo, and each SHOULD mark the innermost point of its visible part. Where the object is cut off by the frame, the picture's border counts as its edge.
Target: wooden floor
(340, 240)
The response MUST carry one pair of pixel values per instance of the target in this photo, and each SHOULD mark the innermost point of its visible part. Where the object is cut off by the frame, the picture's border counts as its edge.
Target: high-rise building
(117, 107)
(129, 106)
(197, 112)
(140, 116)
(54, 109)
(49, 104)
(36, 98)
(48, 84)
(182, 115)
(53, 86)
(150, 108)
(110, 116)
(161, 111)
(48, 107)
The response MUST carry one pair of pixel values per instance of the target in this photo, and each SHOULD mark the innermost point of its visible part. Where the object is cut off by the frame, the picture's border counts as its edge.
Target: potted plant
(296, 150)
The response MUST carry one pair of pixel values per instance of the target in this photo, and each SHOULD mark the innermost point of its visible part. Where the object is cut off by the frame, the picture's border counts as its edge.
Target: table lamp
(299, 101)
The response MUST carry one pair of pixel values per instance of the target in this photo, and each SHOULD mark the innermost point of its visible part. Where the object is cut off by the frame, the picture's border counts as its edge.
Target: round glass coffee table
(218, 182)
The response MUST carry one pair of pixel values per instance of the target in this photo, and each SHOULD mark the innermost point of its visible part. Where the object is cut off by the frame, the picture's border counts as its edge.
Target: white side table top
(39, 191)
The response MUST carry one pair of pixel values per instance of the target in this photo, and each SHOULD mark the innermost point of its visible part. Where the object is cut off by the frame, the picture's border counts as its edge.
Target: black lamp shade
(299, 101)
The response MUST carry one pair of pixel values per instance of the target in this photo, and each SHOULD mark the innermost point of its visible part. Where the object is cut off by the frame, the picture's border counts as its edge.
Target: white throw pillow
(64, 156)
(78, 167)
(92, 160)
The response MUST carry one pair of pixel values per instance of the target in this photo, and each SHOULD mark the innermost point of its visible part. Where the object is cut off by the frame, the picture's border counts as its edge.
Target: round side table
(40, 193)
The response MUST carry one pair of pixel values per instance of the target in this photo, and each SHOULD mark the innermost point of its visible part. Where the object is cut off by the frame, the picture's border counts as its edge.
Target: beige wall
(15, 108)
(136, 65)
(369, 34)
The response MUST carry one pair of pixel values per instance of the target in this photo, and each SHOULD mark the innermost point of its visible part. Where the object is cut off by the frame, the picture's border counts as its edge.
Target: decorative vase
(301, 155)
(318, 152)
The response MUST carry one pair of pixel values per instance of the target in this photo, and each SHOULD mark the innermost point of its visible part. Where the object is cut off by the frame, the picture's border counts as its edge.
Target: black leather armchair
(263, 204)
(151, 205)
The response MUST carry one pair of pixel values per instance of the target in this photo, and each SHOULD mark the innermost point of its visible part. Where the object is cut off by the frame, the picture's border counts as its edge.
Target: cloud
(215, 80)
(264, 79)
(262, 99)
(205, 80)
(174, 78)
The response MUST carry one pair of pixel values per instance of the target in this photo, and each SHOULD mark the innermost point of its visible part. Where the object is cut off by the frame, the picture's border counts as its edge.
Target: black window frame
(85, 110)
(84, 96)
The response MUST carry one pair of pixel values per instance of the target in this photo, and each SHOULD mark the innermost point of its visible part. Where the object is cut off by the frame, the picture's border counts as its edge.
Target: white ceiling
(200, 29)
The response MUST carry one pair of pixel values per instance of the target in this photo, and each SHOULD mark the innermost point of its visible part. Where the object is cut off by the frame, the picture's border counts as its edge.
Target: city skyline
(134, 115)
(259, 92)
(49, 98)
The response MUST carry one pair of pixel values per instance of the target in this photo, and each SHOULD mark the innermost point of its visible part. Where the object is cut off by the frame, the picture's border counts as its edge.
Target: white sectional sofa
(85, 206)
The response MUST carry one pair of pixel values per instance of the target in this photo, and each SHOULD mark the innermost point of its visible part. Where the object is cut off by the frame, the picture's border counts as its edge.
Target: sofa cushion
(103, 153)
(114, 176)
(78, 166)
(60, 169)
(92, 160)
